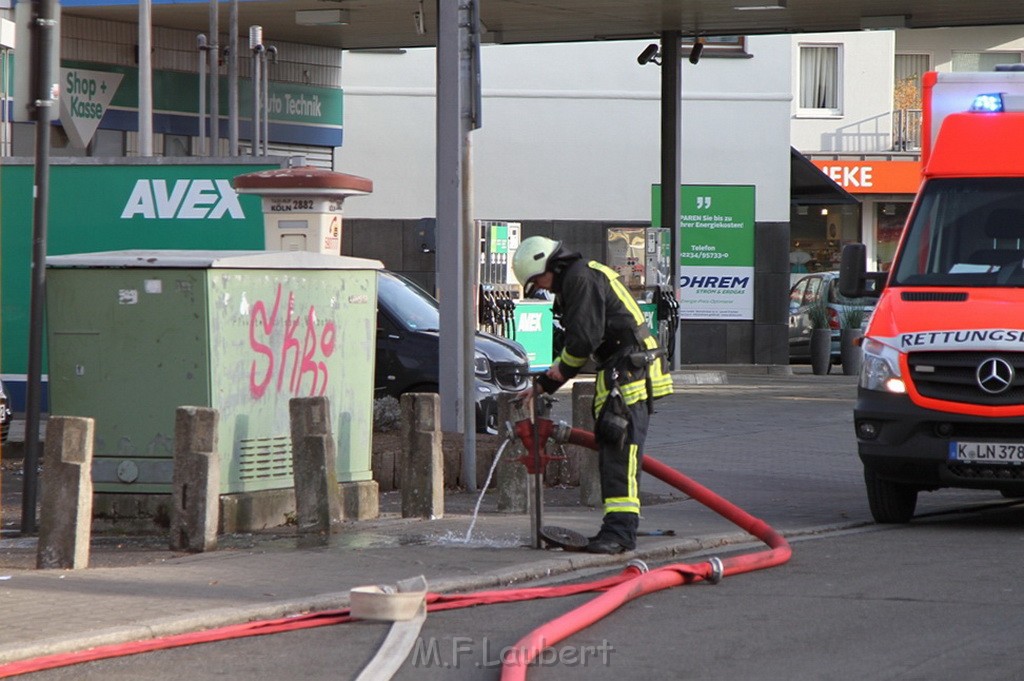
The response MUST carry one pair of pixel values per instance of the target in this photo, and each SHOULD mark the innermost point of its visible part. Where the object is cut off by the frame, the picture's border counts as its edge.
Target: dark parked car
(5, 414)
(806, 292)
(408, 351)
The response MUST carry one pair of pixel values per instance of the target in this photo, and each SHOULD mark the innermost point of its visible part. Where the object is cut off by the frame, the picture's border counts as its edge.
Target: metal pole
(201, 42)
(671, 177)
(233, 79)
(448, 196)
(44, 25)
(145, 78)
(471, 268)
(269, 55)
(538, 474)
(4, 85)
(256, 45)
(214, 78)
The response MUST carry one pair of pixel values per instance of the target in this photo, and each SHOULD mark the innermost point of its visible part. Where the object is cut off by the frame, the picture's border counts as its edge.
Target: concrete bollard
(195, 489)
(317, 497)
(510, 477)
(66, 523)
(583, 417)
(422, 467)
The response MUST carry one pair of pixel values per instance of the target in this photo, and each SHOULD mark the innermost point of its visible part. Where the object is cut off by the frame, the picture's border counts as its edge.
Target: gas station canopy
(366, 24)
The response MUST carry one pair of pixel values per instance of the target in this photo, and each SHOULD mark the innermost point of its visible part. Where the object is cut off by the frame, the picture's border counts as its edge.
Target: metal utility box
(135, 334)
(302, 206)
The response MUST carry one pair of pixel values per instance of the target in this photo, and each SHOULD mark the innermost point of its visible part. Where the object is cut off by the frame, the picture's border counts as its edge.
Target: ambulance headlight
(880, 369)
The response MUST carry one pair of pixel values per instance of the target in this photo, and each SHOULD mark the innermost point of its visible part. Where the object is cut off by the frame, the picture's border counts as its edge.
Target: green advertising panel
(175, 91)
(114, 207)
(716, 250)
(535, 331)
(650, 312)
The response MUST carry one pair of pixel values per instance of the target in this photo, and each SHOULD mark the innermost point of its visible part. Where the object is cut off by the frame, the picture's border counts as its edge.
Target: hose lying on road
(530, 646)
(618, 589)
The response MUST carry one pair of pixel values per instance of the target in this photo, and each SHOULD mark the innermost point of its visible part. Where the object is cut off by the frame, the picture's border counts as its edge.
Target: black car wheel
(890, 502)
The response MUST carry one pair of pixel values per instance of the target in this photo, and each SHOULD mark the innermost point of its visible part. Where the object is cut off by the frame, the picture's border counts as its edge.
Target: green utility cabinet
(133, 335)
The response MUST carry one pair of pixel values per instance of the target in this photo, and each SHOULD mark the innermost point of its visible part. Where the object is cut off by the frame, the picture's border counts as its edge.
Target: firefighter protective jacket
(601, 319)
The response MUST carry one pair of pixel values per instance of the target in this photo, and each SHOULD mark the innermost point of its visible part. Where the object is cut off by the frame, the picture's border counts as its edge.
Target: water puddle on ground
(457, 540)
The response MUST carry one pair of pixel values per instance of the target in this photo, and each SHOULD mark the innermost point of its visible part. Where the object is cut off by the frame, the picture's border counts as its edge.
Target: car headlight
(482, 366)
(880, 369)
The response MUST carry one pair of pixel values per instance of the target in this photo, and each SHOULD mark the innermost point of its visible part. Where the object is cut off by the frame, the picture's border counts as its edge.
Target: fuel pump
(642, 256)
(498, 287)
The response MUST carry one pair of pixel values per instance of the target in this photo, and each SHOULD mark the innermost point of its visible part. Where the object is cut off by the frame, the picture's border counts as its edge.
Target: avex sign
(185, 199)
(111, 207)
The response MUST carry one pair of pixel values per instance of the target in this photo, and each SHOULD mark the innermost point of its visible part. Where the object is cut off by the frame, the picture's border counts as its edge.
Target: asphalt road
(939, 598)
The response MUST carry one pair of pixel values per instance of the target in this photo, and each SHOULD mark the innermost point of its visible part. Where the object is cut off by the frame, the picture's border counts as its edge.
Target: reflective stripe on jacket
(602, 319)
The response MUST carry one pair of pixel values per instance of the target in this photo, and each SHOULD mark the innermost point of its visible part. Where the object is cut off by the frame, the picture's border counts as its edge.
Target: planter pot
(849, 350)
(821, 351)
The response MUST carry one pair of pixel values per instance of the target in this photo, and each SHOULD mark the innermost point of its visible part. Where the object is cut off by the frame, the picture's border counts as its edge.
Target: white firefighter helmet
(531, 259)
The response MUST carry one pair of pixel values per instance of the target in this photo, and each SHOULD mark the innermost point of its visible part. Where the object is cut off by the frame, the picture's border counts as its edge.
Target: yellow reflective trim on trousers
(571, 360)
(631, 474)
(620, 291)
(622, 505)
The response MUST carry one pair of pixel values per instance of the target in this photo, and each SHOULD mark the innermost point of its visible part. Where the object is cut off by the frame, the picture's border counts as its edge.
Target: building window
(108, 143)
(890, 216)
(906, 100)
(717, 46)
(909, 69)
(177, 145)
(983, 61)
(819, 79)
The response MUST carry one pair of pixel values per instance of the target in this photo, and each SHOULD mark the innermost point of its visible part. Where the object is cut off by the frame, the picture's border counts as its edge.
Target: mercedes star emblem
(995, 375)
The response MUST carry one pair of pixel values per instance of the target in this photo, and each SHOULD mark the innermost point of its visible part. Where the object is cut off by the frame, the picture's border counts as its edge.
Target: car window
(813, 287)
(410, 305)
(796, 296)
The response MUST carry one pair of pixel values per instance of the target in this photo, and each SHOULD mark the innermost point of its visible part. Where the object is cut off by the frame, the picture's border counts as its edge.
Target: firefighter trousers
(619, 468)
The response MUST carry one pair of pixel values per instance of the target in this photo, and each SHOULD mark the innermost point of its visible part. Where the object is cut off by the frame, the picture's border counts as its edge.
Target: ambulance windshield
(965, 232)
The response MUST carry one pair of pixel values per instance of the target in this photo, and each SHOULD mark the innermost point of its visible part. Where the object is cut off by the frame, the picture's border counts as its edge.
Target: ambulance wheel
(890, 502)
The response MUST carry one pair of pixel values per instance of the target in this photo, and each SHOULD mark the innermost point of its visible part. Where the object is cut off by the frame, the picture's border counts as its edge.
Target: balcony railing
(906, 129)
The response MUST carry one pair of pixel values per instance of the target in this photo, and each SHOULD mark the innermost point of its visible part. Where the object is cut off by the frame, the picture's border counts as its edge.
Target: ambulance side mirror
(854, 279)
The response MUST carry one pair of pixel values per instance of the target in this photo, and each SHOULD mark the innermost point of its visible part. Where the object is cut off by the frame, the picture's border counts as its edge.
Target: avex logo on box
(183, 200)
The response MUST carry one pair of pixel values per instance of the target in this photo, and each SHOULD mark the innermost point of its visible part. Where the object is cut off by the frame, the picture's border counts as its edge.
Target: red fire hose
(529, 647)
(618, 589)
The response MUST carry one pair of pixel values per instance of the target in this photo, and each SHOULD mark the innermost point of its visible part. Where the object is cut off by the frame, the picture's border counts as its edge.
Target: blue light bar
(992, 103)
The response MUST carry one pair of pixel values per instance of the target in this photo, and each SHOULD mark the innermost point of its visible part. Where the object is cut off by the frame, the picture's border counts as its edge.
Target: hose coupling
(561, 432)
(717, 570)
(639, 565)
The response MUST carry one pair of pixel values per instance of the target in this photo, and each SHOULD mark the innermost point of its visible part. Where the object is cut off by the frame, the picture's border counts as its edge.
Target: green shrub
(818, 314)
(853, 317)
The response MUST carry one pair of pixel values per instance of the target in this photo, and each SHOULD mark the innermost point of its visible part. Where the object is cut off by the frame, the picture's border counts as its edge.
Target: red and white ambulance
(941, 395)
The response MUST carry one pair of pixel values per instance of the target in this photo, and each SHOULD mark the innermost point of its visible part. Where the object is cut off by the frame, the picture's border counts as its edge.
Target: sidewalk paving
(273, 574)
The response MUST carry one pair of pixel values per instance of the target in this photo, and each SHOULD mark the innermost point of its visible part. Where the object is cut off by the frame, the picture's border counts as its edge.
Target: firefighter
(601, 320)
